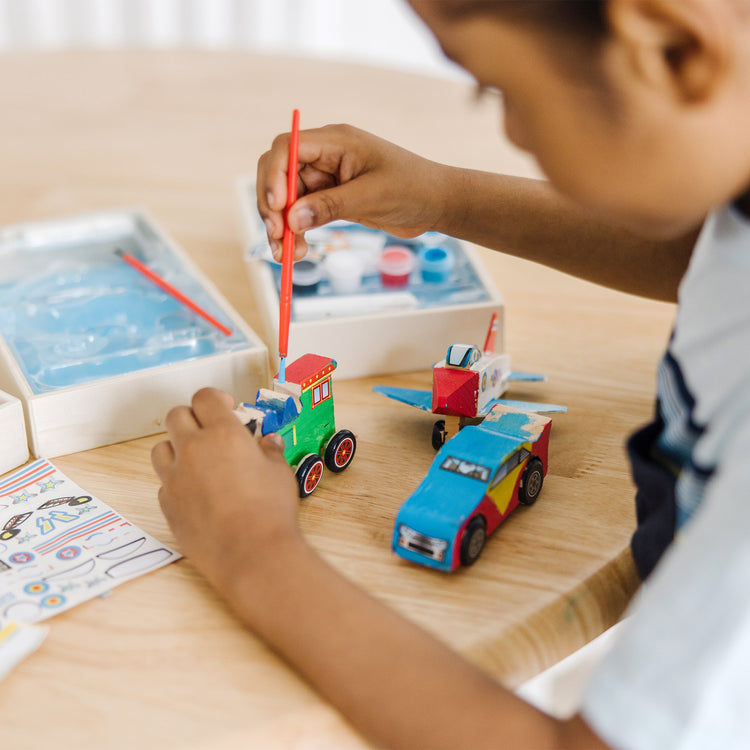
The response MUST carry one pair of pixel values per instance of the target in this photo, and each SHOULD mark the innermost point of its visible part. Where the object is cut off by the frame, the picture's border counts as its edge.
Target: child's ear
(683, 46)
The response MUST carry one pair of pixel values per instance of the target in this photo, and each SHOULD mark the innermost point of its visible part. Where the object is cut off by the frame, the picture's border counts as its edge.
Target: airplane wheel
(472, 542)
(531, 482)
(308, 474)
(340, 450)
(438, 434)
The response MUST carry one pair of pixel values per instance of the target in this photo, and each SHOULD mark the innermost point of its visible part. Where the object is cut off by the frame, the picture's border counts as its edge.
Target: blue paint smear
(72, 312)
(509, 423)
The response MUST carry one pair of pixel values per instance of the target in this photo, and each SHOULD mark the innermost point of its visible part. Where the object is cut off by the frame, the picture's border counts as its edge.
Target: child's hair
(581, 26)
(585, 17)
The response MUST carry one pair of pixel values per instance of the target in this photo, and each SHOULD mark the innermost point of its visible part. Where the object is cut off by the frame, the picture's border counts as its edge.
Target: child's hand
(227, 497)
(346, 173)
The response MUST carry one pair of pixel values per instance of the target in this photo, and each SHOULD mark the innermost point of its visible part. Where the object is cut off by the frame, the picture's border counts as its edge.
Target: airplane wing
(528, 376)
(529, 406)
(420, 399)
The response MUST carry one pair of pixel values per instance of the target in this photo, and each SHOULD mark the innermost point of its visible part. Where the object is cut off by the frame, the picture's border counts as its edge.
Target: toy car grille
(424, 545)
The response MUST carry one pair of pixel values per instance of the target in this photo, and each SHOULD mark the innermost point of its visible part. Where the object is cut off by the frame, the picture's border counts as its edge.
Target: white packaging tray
(96, 352)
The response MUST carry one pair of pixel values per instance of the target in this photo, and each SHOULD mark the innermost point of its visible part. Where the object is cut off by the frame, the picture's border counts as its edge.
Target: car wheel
(531, 482)
(472, 542)
(438, 434)
(340, 450)
(308, 474)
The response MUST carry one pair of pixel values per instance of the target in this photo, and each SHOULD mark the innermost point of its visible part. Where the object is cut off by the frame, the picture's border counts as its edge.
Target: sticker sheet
(60, 546)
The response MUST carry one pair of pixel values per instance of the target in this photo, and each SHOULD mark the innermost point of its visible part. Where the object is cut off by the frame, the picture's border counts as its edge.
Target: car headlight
(429, 546)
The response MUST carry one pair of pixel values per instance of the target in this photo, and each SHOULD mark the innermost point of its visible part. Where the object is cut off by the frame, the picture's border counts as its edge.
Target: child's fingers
(271, 198)
(211, 405)
(271, 178)
(273, 445)
(271, 186)
(162, 457)
(319, 158)
(300, 247)
(179, 421)
(272, 175)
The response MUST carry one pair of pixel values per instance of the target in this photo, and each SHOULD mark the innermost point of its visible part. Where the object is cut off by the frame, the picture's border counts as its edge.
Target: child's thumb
(272, 444)
(315, 209)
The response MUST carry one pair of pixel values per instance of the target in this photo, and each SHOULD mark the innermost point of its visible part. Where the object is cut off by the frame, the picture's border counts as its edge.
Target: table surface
(161, 662)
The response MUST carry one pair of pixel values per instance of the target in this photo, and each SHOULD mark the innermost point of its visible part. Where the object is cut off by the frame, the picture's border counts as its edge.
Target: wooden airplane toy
(465, 387)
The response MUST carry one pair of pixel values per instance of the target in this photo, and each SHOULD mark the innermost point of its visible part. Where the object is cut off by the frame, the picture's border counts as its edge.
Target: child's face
(611, 141)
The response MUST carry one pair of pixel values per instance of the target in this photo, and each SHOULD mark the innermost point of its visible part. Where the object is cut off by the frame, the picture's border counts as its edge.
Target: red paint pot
(395, 265)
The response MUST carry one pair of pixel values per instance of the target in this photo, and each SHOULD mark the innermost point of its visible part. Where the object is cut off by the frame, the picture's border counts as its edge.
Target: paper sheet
(60, 546)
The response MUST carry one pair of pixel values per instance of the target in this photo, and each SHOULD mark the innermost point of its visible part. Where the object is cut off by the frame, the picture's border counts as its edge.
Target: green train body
(301, 411)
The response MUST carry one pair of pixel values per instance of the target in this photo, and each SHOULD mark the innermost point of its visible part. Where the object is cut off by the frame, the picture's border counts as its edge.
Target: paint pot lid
(306, 272)
(437, 259)
(396, 260)
(344, 263)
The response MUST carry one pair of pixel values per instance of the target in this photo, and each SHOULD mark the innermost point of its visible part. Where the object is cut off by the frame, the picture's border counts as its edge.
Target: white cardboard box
(162, 359)
(14, 448)
(367, 343)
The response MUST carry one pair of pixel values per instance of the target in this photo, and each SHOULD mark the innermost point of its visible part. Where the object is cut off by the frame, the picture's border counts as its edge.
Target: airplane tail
(489, 342)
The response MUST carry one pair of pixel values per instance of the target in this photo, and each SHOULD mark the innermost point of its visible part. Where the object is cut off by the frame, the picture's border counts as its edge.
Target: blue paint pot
(306, 275)
(436, 264)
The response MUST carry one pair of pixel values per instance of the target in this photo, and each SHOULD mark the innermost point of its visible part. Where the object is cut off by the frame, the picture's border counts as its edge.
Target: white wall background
(380, 32)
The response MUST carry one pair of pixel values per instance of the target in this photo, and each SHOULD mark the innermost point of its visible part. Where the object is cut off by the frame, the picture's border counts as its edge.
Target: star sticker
(25, 539)
(85, 509)
(49, 484)
(22, 498)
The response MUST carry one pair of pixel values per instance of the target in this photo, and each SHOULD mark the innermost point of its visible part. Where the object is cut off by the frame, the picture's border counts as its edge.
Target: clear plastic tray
(72, 311)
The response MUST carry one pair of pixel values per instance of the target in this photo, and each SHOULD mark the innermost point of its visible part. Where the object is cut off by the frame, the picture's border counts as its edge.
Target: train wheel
(340, 450)
(308, 474)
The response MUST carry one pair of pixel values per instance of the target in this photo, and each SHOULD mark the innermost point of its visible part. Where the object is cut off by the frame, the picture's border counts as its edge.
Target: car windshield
(466, 468)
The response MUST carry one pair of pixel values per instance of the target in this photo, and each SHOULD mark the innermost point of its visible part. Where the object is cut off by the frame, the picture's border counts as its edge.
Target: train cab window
(321, 392)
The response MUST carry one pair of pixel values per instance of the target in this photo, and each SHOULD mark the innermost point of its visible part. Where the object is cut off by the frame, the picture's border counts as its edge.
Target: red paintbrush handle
(287, 247)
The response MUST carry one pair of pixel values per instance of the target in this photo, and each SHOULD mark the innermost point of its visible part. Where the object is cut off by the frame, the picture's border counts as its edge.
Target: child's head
(637, 108)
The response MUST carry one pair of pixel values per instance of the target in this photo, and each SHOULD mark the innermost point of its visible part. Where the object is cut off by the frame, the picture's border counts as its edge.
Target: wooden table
(161, 662)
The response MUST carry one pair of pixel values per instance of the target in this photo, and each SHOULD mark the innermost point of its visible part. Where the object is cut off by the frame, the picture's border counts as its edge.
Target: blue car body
(465, 480)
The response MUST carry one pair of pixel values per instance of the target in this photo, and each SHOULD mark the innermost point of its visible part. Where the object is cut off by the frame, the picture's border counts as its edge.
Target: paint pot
(306, 275)
(395, 265)
(436, 264)
(344, 270)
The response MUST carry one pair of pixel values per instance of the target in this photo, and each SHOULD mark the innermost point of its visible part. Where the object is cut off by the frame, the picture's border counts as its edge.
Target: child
(638, 112)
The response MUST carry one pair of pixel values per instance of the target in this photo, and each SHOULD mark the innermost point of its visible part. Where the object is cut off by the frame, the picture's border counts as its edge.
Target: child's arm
(232, 504)
(349, 174)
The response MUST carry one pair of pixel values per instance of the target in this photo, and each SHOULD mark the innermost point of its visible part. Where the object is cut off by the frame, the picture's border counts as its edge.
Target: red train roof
(308, 369)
